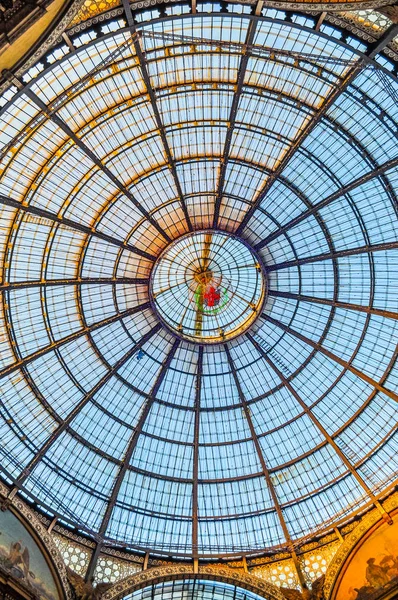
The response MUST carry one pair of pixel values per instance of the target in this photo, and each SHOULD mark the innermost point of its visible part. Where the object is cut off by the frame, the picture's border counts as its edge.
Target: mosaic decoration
(280, 573)
(112, 569)
(186, 572)
(91, 8)
(75, 556)
(315, 564)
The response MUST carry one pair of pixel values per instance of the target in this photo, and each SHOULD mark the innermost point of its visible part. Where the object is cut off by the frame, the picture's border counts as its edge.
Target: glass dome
(207, 287)
(193, 589)
(248, 128)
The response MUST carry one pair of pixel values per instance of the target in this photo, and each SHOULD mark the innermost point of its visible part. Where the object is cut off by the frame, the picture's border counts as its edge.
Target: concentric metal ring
(208, 286)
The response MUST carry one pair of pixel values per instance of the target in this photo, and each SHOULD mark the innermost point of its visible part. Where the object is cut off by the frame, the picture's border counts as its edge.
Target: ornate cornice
(325, 6)
(180, 572)
(44, 537)
(351, 541)
(48, 43)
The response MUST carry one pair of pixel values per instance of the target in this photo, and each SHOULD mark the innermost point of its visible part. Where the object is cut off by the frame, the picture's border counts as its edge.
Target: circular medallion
(208, 286)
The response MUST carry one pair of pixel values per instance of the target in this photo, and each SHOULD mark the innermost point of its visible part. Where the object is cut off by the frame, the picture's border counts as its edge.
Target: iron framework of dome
(192, 590)
(244, 125)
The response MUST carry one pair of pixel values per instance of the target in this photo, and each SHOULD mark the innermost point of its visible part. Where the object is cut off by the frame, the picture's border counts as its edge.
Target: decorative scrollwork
(370, 519)
(43, 535)
(212, 573)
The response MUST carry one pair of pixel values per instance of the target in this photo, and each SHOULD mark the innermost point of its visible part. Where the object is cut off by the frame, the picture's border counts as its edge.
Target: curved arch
(182, 572)
(370, 523)
(41, 535)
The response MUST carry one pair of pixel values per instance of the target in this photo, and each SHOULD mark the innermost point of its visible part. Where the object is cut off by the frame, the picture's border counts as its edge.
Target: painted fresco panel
(21, 557)
(373, 570)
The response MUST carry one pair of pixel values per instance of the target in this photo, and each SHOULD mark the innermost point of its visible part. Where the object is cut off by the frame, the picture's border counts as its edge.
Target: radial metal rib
(321, 429)
(70, 338)
(45, 214)
(195, 470)
(80, 405)
(337, 91)
(232, 118)
(18, 285)
(343, 363)
(266, 473)
(129, 452)
(389, 165)
(345, 305)
(48, 112)
(152, 96)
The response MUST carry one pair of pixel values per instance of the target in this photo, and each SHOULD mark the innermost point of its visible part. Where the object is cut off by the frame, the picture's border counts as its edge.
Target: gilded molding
(176, 572)
(50, 41)
(44, 537)
(347, 547)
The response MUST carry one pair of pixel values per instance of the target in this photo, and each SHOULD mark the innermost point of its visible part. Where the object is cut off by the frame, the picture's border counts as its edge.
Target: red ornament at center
(211, 296)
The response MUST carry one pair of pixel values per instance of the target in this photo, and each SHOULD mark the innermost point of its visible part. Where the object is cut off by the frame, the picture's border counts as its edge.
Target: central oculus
(208, 286)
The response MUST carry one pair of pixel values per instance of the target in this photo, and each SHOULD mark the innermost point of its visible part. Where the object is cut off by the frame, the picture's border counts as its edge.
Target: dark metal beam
(232, 118)
(152, 96)
(80, 405)
(63, 94)
(303, 135)
(320, 20)
(195, 473)
(265, 470)
(70, 338)
(370, 310)
(389, 34)
(17, 285)
(48, 112)
(45, 214)
(321, 429)
(131, 446)
(335, 255)
(340, 361)
(391, 164)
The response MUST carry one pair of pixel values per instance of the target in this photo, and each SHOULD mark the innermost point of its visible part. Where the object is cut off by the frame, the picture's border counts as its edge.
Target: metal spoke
(232, 118)
(45, 214)
(266, 473)
(70, 338)
(384, 247)
(370, 310)
(391, 164)
(195, 469)
(65, 424)
(340, 361)
(129, 452)
(48, 112)
(17, 285)
(305, 132)
(389, 34)
(152, 96)
(321, 429)
(328, 103)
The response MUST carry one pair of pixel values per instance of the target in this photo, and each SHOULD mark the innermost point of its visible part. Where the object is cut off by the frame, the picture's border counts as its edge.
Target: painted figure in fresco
(379, 577)
(391, 565)
(376, 575)
(17, 556)
(22, 559)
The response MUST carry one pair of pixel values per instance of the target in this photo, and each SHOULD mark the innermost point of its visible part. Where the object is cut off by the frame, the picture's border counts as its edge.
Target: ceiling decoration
(181, 580)
(267, 134)
(208, 287)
